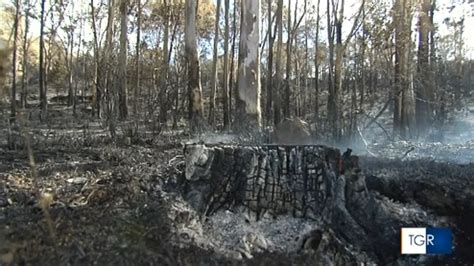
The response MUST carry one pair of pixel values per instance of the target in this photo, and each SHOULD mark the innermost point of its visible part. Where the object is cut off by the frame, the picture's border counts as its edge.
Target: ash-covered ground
(95, 202)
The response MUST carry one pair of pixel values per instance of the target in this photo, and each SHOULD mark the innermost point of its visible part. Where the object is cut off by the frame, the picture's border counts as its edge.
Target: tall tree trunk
(286, 107)
(163, 94)
(423, 99)
(76, 79)
(42, 87)
(362, 64)
(232, 62)
(69, 61)
(24, 80)
(278, 71)
(335, 114)
(316, 71)
(122, 88)
(248, 91)
(212, 100)
(271, 40)
(225, 93)
(305, 66)
(331, 105)
(97, 77)
(355, 87)
(14, 67)
(404, 111)
(439, 94)
(335, 99)
(458, 55)
(194, 76)
(137, 89)
(107, 62)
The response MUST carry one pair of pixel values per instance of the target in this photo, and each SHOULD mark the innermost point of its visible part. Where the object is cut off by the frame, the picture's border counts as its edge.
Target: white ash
(230, 231)
(234, 234)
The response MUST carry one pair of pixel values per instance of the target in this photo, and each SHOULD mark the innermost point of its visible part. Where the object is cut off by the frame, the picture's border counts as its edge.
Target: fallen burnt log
(307, 181)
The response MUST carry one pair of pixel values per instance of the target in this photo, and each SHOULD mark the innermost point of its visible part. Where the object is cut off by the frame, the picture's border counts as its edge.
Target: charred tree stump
(268, 178)
(306, 181)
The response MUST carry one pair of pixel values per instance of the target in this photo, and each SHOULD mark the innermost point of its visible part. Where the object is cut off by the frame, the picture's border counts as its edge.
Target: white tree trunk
(248, 104)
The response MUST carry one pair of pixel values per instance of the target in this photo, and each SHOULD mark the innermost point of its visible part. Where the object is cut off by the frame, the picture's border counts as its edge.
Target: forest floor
(90, 201)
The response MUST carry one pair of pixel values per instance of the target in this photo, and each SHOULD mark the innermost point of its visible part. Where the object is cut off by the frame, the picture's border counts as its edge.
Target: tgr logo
(426, 241)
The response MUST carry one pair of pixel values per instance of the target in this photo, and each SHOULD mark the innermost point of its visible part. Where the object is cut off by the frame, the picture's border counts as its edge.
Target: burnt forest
(237, 132)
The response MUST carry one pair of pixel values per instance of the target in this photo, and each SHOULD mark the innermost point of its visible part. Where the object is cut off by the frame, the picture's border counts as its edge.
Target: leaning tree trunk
(194, 76)
(248, 111)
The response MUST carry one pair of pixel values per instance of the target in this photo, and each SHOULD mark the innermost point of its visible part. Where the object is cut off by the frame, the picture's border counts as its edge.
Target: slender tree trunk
(214, 79)
(194, 76)
(137, 90)
(398, 87)
(271, 39)
(163, 94)
(278, 70)
(107, 63)
(362, 66)
(24, 80)
(122, 88)
(439, 95)
(286, 107)
(355, 87)
(42, 87)
(305, 67)
(76, 79)
(335, 104)
(331, 105)
(97, 77)
(69, 59)
(14, 67)
(225, 93)
(232, 63)
(316, 71)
